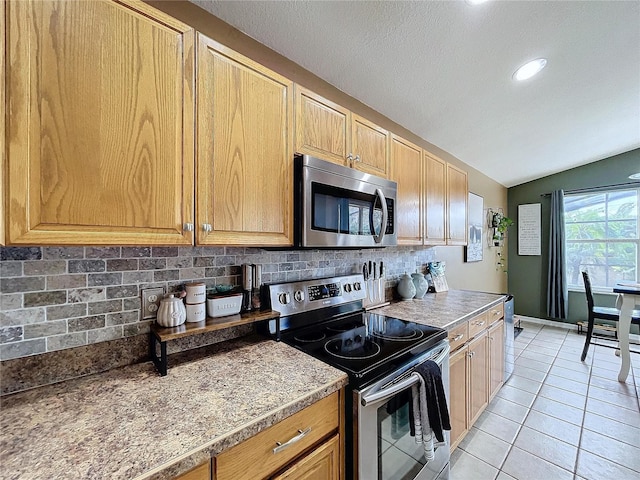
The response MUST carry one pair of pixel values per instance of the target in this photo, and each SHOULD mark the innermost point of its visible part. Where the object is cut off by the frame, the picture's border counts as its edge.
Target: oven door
(385, 448)
(342, 207)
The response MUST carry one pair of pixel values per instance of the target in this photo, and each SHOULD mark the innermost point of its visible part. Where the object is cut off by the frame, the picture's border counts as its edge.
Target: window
(601, 231)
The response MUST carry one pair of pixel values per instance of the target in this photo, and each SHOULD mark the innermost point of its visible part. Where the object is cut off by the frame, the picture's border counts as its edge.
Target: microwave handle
(385, 217)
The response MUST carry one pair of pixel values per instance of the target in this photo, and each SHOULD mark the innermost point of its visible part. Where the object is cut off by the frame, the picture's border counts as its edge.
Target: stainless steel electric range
(325, 318)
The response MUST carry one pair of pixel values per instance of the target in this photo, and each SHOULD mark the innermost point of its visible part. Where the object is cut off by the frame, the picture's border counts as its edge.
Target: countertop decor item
(406, 288)
(171, 312)
(420, 283)
(224, 288)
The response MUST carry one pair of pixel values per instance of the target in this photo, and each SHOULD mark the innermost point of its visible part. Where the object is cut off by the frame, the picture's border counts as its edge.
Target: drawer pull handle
(458, 337)
(297, 438)
(497, 312)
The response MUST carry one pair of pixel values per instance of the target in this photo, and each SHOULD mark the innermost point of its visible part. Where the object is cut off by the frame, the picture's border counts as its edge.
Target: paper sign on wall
(529, 242)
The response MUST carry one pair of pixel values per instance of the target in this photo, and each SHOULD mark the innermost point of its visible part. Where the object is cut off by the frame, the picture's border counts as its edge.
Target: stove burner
(344, 327)
(356, 349)
(310, 337)
(397, 330)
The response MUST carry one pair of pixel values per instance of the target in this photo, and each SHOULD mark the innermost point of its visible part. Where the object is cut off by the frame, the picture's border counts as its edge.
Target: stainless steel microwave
(340, 207)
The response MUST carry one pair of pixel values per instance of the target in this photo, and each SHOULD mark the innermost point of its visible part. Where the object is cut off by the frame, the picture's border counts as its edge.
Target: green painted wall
(528, 274)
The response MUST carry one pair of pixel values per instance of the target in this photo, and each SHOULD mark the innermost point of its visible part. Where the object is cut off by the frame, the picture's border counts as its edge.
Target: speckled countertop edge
(131, 423)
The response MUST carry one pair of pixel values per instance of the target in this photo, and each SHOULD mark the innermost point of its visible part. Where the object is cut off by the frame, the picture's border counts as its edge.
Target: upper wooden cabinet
(99, 124)
(329, 131)
(407, 172)
(457, 202)
(244, 150)
(435, 184)
(323, 128)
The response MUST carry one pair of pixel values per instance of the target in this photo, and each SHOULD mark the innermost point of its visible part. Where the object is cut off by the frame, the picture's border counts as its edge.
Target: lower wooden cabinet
(295, 448)
(201, 472)
(320, 464)
(476, 371)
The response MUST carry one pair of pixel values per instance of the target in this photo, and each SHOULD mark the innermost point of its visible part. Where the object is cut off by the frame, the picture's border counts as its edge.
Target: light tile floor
(557, 418)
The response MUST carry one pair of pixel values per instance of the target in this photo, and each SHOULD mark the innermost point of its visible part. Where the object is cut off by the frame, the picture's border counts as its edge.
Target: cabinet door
(321, 464)
(435, 200)
(370, 147)
(496, 357)
(323, 128)
(457, 200)
(244, 150)
(406, 171)
(201, 472)
(100, 135)
(458, 401)
(478, 376)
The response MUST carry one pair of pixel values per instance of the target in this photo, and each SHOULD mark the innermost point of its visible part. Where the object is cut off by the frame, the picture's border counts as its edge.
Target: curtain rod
(618, 186)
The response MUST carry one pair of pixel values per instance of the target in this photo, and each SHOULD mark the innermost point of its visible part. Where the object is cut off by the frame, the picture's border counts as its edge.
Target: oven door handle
(390, 391)
(394, 388)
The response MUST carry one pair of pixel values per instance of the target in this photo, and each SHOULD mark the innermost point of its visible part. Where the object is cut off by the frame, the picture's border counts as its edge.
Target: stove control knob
(284, 298)
(357, 286)
(298, 296)
(348, 342)
(358, 338)
(347, 287)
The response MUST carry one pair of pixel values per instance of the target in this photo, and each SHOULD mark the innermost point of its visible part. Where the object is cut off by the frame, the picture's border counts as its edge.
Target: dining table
(630, 294)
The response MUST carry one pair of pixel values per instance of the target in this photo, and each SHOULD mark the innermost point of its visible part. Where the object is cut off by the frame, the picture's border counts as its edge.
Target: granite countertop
(444, 309)
(131, 423)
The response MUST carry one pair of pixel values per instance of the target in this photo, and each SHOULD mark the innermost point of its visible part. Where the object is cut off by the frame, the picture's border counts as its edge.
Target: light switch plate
(151, 302)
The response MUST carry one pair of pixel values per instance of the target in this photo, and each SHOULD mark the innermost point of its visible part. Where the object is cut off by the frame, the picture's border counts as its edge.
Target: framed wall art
(473, 250)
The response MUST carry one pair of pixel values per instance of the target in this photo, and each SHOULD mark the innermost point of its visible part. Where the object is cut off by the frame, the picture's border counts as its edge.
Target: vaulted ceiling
(443, 70)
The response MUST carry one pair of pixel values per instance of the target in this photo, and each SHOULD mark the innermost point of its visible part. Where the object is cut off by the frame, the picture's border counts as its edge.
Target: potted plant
(500, 223)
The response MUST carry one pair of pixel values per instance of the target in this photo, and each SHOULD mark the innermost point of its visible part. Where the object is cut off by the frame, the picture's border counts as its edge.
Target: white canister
(196, 293)
(196, 312)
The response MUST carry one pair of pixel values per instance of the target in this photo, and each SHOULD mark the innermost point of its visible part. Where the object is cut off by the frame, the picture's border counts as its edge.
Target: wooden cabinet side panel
(322, 127)
(371, 143)
(244, 159)
(478, 377)
(496, 357)
(435, 200)
(3, 113)
(201, 472)
(320, 464)
(97, 142)
(406, 171)
(458, 400)
(457, 204)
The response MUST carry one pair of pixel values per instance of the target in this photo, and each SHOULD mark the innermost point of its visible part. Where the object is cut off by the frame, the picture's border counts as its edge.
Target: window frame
(600, 288)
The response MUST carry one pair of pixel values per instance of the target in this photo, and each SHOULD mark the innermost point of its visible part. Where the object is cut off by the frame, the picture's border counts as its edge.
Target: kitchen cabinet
(100, 124)
(446, 199)
(329, 131)
(244, 150)
(323, 128)
(476, 368)
(305, 445)
(458, 404)
(406, 171)
(457, 203)
(320, 464)
(201, 472)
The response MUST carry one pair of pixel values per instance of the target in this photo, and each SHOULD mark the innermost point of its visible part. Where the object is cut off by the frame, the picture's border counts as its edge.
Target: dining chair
(610, 314)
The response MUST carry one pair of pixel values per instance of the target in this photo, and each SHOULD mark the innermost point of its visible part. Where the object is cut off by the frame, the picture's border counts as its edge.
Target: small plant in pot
(500, 223)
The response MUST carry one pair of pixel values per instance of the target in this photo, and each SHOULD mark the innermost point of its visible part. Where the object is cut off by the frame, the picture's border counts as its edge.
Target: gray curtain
(557, 294)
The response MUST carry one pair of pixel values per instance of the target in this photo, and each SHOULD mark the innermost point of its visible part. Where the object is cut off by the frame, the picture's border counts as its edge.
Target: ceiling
(443, 70)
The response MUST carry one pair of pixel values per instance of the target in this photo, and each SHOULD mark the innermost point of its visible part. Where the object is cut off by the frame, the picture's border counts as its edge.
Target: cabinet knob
(458, 337)
(207, 227)
(188, 227)
(357, 158)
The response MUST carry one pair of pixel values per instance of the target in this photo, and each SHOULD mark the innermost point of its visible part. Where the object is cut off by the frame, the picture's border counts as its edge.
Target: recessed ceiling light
(635, 176)
(475, 2)
(529, 69)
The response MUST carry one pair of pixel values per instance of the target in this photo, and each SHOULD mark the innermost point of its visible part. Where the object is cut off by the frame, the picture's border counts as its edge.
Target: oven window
(345, 211)
(400, 457)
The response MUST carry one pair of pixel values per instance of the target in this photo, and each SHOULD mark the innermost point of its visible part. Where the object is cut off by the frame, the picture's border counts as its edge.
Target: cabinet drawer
(255, 458)
(495, 313)
(458, 336)
(478, 324)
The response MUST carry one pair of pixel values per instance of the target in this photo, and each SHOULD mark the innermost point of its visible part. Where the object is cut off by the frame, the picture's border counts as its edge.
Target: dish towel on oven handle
(430, 412)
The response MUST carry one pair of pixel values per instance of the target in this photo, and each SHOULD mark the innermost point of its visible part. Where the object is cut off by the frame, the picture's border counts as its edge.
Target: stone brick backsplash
(56, 298)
